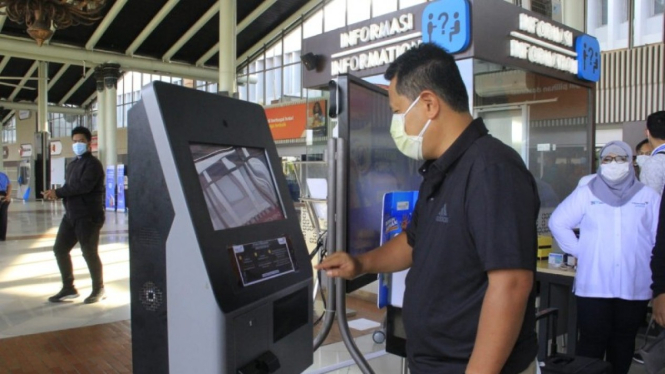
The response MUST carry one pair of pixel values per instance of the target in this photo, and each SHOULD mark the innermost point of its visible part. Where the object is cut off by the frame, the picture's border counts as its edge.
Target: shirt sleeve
(565, 218)
(653, 173)
(502, 205)
(658, 255)
(84, 182)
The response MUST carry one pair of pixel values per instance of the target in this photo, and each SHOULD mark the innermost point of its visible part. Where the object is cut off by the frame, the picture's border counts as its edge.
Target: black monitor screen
(376, 166)
(237, 185)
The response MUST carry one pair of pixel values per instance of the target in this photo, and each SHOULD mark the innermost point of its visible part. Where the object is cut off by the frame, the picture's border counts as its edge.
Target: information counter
(556, 291)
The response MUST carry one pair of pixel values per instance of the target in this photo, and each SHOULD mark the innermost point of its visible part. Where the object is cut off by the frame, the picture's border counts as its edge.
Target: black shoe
(637, 357)
(64, 294)
(95, 296)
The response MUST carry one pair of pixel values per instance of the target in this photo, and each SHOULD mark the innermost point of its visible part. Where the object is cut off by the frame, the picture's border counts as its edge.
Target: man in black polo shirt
(83, 198)
(471, 246)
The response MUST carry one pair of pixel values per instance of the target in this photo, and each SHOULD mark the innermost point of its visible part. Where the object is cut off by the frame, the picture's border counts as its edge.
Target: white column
(101, 113)
(111, 74)
(227, 46)
(42, 97)
(640, 21)
(573, 13)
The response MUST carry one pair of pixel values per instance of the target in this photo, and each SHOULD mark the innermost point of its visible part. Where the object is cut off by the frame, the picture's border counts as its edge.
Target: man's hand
(342, 265)
(659, 309)
(49, 195)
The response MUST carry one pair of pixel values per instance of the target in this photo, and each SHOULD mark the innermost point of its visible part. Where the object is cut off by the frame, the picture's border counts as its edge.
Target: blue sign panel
(448, 24)
(110, 187)
(398, 209)
(120, 203)
(588, 58)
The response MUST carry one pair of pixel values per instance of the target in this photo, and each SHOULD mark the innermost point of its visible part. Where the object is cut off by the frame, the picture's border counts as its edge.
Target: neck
(655, 142)
(447, 132)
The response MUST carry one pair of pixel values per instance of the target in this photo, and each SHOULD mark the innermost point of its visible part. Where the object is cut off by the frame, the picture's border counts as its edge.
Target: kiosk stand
(220, 280)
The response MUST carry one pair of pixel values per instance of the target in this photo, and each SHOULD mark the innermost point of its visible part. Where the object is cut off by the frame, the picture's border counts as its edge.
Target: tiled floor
(40, 337)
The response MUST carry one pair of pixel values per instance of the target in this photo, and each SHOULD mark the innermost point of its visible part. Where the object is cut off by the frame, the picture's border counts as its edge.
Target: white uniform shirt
(614, 249)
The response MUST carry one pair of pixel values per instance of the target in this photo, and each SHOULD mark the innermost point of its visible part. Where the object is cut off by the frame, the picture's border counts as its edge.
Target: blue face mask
(79, 148)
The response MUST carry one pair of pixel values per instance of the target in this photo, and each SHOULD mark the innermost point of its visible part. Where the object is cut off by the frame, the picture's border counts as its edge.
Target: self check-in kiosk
(220, 275)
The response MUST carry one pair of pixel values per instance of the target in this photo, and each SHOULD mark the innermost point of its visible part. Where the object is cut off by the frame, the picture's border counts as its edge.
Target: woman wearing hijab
(617, 217)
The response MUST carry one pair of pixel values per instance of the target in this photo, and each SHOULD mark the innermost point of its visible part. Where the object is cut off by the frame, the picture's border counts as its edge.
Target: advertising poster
(397, 211)
(290, 120)
(110, 187)
(287, 121)
(120, 204)
(316, 117)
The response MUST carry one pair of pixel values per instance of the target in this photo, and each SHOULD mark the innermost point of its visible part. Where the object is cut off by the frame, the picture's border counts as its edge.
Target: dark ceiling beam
(76, 86)
(278, 30)
(58, 75)
(7, 117)
(189, 34)
(104, 25)
(5, 61)
(256, 13)
(151, 26)
(26, 77)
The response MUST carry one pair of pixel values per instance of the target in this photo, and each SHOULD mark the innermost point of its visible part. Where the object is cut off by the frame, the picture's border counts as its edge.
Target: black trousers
(608, 328)
(86, 232)
(4, 206)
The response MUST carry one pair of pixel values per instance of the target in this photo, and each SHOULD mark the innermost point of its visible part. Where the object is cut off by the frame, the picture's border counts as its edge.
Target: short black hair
(82, 130)
(656, 124)
(640, 145)
(429, 67)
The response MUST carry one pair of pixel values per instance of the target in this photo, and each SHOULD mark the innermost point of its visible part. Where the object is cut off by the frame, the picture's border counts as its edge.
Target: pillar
(227, 47)
(41, 145)
(101, 113)
(111, 73)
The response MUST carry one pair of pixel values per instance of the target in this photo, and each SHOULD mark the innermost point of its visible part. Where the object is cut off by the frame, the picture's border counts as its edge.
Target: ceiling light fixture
(42, 15)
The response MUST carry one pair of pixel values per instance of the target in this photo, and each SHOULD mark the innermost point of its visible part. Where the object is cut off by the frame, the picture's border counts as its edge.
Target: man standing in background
(83, 197)
(5, 199)
(653, 170)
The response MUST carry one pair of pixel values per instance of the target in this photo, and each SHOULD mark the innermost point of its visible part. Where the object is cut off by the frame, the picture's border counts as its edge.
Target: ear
(432, 103)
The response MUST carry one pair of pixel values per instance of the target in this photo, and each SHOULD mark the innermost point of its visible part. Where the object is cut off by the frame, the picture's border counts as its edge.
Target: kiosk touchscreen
(220, 274)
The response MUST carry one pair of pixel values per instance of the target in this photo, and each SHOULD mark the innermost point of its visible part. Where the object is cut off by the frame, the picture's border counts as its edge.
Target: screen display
(263, 260)
(376, 166)
(237, 185)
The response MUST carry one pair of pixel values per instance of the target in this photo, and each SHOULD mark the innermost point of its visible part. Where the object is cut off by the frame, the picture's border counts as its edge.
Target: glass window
(313, 25)
(274, 55)
(381, 7)
(361, 11)
(407, 3)
(604, 12)
(292, 80)
(658, 7)
(335, 15)
(256, 90)
(273, 86)
(544, 119)
(242, 87)
(292, 45)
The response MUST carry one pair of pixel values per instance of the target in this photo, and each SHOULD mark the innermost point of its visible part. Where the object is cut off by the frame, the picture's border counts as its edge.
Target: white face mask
(641, 159)
(613, 171)
(410, 145)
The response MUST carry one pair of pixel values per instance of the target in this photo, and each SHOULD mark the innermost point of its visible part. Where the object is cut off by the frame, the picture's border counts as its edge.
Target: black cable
(320, 246)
